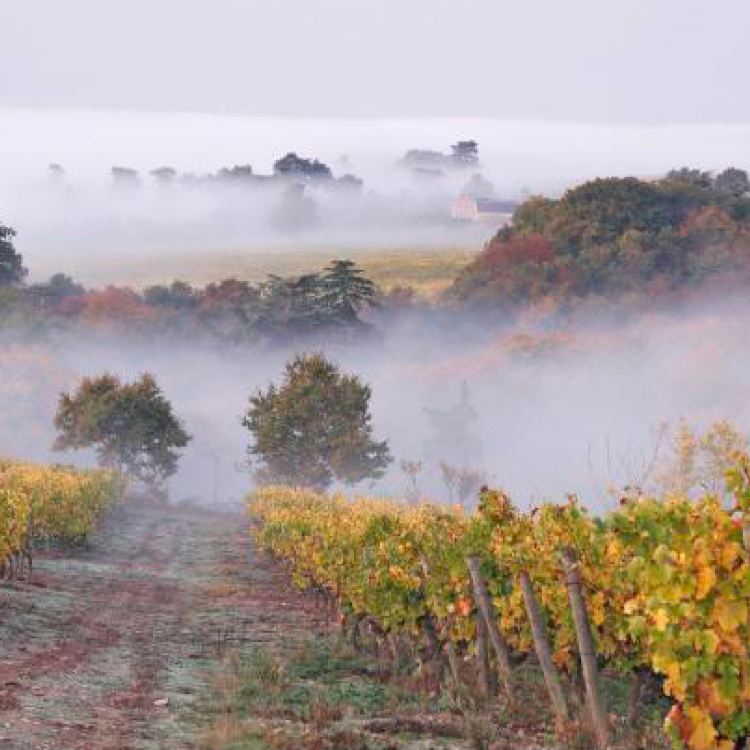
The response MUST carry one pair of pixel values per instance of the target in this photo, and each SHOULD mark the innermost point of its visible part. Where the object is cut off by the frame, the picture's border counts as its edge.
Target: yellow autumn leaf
(662, 620)
(703, 733)
(729, 614)
(597, 608)
(729, 554)
(706, 581)
(672, 671)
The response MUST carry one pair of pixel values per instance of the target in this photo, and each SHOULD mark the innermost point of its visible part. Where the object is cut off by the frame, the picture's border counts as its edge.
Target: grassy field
(429, 271)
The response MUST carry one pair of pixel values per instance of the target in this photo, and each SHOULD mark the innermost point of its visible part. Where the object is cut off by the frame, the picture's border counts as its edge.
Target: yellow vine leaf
(730, 614)
(703, 732)
(662, 620)
(706, 581)
(729, 555)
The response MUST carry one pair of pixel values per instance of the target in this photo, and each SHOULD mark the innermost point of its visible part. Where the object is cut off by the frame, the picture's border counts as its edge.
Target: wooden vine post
(586, 648)
(487, 609)
(483, 662)
(544, 653)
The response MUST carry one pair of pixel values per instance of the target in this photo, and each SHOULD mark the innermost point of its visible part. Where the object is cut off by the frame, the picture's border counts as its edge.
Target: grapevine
(49, 503)
(666, 581)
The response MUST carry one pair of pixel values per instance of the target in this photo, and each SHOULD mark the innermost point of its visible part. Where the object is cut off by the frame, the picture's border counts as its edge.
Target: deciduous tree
(314, 428)
(130, 425)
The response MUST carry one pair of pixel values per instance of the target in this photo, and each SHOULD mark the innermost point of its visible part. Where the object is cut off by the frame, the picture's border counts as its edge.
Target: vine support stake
(483, 663)
(586, 648)
(544, 652)
(487, 608)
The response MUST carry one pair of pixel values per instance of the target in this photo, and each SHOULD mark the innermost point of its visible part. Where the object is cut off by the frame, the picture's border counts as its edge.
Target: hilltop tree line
(616, 238)
(289, 168)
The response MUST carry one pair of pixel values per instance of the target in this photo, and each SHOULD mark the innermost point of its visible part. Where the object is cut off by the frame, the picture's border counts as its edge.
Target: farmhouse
(469, 208)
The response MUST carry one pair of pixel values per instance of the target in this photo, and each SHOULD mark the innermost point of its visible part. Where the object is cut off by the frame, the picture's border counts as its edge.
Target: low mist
(567, 406)
(81, 225)
(577, 409)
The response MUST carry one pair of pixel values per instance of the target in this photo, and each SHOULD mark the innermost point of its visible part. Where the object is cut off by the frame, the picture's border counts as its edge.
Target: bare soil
(113, 646)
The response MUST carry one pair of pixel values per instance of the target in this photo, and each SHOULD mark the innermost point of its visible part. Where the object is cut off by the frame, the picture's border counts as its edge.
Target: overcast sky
(622, 61)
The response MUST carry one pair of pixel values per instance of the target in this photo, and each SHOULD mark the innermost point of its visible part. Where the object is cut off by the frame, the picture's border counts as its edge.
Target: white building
(468, 208)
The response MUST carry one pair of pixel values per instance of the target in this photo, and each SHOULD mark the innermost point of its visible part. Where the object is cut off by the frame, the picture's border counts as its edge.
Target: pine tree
(347, 290)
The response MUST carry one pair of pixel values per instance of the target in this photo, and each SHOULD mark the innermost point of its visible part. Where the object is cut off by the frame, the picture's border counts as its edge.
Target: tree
(125, 177)
(51, 295)
(453, 436)
(600, 211)
(56, 174)
(238, 174)
(179, 295)
(478, 187)
(115, 307)
(349, 183)
(733, 181)
(347, 290)
(130, 425)
(12, 271)
(315, 428)
(465, 154)
(426, 159)
(300, 168)
(291, 307)
(534, 216)
(164, 175)
(296, 211)
(690, 176)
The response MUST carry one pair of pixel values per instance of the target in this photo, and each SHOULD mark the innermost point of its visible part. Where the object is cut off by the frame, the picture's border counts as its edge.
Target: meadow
(428, 270)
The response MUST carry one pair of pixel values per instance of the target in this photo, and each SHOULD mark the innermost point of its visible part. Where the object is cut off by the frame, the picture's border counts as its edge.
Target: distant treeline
(279, 310)
(289, 168)
(619, 240)
(293, 168)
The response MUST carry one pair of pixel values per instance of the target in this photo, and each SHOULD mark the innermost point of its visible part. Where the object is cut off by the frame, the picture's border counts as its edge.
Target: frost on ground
(113, 646)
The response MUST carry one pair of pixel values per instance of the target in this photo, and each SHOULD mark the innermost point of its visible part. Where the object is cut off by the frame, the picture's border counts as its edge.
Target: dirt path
(112, 647)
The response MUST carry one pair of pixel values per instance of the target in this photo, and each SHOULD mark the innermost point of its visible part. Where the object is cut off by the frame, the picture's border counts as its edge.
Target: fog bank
(83, 214)
(571, 410)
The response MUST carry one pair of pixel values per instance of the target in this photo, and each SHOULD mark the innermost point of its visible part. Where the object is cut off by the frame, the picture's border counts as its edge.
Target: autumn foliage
(614, 238)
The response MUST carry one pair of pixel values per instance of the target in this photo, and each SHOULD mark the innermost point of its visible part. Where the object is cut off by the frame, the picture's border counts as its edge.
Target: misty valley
(297, 459)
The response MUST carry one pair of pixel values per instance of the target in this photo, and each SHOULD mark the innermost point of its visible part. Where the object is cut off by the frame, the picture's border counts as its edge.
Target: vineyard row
(39, 503)
(658, 586)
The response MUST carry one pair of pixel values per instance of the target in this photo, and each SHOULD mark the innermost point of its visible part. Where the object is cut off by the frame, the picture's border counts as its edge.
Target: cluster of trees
(278, 310)
(462, 155)
(313, 429)
(615, 237)
(288, 168)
